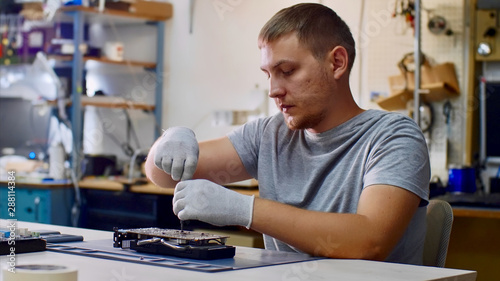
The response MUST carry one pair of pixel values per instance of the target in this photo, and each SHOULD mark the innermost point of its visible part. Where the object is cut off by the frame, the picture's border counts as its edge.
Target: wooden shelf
(115, 102)
(435, 92)
(148, 188)
(111, 102)
(476, 213)
(105, 60)
(115, 14)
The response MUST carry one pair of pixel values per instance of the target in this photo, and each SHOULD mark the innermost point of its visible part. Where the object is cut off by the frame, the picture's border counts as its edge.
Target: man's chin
(293, 123)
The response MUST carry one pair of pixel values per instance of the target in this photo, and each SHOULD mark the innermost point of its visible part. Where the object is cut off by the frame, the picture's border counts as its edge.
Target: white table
(325, 269)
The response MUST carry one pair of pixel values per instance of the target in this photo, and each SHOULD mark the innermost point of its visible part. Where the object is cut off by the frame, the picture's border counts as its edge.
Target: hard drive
(173, 242)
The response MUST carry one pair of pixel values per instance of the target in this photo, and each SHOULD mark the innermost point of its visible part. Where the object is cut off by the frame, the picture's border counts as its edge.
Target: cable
(131, 130)
(76, 209)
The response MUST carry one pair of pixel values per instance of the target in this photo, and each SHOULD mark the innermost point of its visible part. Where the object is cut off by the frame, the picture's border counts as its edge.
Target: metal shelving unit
(79, 16)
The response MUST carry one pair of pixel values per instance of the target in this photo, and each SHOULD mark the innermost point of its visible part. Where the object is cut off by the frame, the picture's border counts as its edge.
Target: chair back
(437, 238)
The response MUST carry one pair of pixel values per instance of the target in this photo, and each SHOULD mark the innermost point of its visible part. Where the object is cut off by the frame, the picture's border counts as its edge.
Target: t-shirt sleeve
(399, 157)
(246, 141)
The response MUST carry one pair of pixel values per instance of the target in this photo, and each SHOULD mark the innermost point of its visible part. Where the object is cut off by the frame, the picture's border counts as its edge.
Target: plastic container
(461, 180)
(57, 157)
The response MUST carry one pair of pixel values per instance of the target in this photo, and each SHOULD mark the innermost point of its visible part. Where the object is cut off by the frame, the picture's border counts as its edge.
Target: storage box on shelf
(141, 7)
(438, 83)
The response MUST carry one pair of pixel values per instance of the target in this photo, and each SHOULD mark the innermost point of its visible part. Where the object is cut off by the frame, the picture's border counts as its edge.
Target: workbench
(104, 201)
(91, 268)
(475, 241)
(107, 203)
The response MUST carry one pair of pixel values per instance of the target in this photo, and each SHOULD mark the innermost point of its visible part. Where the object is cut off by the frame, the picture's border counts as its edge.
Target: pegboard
(384, 42)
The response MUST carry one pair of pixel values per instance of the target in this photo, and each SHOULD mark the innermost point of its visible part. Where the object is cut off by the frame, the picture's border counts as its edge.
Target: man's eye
(288, 73)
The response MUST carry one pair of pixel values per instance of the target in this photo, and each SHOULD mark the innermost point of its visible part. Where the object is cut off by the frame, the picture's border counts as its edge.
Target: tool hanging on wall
(447, 110)
(406, 10)
(10, 39)
(438, 25)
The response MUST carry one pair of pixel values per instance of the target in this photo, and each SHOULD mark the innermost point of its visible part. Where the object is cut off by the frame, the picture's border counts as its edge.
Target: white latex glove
(177, 153)
(209, 202)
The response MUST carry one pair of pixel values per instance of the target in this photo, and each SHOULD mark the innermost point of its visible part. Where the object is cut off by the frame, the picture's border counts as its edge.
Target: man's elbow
(369, 249)
(375, 252)
(156, 175)
(373, 249)
(151, 172)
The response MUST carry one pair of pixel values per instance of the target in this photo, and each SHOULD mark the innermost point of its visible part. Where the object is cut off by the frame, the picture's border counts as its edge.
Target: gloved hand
(209, 202)
(177, 153)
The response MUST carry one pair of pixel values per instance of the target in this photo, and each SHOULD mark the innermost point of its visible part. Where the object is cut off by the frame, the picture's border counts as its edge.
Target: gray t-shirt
(328, 171)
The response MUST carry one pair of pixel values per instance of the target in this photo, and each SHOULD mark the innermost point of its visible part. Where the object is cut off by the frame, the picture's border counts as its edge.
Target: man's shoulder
(386, 115)
(389, 117)
(381, 125)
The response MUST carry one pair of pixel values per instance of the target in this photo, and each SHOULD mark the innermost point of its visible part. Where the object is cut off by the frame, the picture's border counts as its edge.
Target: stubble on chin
(302, 122)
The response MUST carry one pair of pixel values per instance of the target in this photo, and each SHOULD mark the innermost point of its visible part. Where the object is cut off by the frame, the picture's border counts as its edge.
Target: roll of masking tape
(40, 272)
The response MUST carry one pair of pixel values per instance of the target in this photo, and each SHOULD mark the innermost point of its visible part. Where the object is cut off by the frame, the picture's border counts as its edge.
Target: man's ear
(339, 61)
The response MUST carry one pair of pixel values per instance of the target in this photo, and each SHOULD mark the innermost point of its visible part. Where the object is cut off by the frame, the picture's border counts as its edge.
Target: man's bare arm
(218, 161)
(383, 215)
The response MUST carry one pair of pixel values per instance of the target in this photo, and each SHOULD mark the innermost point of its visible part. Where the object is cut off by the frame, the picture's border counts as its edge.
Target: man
(334, 180)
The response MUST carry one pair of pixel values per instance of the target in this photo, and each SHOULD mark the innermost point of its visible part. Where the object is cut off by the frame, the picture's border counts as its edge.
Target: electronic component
(59, 238)
(20, 240)
(22, 245)
(173, 242)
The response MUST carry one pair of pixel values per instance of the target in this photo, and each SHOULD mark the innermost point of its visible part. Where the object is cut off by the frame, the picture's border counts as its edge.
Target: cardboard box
(431, 76)
(32, 11)
(438, 82)
(27, 166)
(142, 7)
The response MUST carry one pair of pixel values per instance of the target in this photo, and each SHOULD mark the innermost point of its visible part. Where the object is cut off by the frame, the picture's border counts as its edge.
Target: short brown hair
(318, 27)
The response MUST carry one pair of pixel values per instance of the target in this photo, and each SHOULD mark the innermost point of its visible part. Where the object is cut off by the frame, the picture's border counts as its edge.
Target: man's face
(301, 86)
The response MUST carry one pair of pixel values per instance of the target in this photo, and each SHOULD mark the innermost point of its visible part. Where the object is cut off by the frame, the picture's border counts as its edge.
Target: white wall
(217, 66)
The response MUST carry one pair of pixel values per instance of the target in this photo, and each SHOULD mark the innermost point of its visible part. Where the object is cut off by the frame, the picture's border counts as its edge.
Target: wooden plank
(476, 213)
(114, 13)
(149, 188)
(115, 102)
(101, 184)
(106, 60)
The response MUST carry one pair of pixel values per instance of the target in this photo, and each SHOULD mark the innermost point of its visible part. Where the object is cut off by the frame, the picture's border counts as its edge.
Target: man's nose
(276, 90)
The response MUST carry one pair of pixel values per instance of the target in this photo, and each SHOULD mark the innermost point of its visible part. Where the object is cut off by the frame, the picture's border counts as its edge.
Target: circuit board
(174, 242)
(20, 240)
